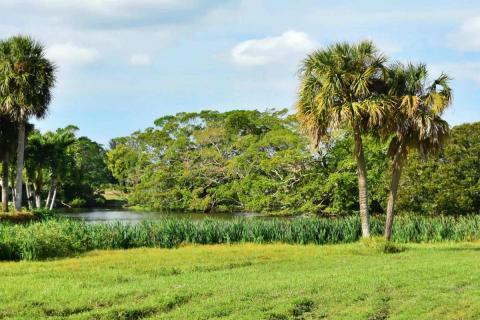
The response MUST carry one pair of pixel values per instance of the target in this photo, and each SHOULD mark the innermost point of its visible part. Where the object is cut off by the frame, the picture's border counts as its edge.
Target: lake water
(128, 216)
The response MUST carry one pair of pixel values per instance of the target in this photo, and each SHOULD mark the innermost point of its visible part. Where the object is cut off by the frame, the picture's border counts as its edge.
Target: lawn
(249, 281)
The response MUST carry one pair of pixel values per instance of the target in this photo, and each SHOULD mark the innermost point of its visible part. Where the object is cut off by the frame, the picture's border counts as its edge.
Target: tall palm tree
(26, 82)
(342, 87)
(415, 121)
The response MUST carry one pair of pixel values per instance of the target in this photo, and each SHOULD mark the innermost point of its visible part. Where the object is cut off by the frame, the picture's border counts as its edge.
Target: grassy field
(249, 281)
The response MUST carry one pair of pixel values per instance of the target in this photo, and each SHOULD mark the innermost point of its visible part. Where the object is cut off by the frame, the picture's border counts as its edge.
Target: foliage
(27, 78)
(447, 183)
(74, 166)
(43, 213)
(78, 203)
(239, 160)
(191, 162)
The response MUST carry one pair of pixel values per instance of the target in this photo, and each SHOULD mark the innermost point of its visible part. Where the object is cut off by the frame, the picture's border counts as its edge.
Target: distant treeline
(259, 161)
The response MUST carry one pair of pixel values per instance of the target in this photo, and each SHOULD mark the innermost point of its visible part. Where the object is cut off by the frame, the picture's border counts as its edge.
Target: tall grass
(62, 237)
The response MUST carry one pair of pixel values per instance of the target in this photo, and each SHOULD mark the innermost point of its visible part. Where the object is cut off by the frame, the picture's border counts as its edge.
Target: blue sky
(124, 63)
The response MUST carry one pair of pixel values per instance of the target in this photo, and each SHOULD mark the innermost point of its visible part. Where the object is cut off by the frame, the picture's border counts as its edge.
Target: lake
(129, 216)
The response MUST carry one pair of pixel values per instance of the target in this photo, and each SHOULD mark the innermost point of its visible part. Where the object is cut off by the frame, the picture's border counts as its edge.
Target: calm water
(127, 216)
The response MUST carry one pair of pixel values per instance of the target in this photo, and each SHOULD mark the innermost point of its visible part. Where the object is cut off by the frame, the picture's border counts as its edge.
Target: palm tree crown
(416, 117)
(341, 86)
(27, 78)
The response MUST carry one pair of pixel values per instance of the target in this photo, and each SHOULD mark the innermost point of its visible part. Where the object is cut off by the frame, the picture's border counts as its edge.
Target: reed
(61, 237)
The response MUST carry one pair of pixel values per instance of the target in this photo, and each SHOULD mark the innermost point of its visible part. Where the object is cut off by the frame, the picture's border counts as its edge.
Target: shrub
(78, 203)
(43, 213)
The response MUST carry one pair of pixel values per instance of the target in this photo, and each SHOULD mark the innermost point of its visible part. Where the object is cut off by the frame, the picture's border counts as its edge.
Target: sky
(124, 63)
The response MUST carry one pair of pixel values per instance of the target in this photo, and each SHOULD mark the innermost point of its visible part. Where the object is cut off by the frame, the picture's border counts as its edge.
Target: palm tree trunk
(362, 183)
(50, 191)
(20, 153)
(5, 190)
(29, 196)
(53, 198)
(397, 165)
(38, 201)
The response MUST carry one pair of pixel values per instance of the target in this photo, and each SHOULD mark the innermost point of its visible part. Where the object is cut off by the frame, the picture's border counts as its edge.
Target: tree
(342, 87)
(447, 183)
(38, 152)
(415, 121)
(26, 78)
(59, 160)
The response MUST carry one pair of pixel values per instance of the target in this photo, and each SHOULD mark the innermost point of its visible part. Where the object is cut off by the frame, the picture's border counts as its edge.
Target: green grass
(249, 281)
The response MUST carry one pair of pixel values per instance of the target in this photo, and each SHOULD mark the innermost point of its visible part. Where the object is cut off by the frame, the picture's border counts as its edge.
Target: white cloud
(468, 70)
(103, 6)
(140, 60)
(271, 49)
(70, 54)
(467, 37)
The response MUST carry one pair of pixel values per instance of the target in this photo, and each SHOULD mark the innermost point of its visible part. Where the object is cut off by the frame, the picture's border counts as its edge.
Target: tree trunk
(5, 190)
(38, 201)
(53, 198)
(29, 196)
(362, 183)
(397, 165)
(50, 191)
(20, 153)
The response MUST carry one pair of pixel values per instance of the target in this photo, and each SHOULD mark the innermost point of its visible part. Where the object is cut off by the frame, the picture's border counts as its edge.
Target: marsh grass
(61, 237)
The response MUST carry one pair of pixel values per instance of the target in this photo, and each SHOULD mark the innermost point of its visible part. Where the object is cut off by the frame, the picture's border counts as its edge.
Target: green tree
(415, 121)
(447, 183)
(26, 78)
(341, 87)
(37, 156)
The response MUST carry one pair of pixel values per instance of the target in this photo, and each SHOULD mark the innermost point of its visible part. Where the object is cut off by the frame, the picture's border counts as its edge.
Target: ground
(249, 281)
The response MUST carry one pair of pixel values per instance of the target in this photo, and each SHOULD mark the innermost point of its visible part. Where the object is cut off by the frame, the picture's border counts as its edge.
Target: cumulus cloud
(70, 54)
(263, 51)
(140, 60)
(467, 37)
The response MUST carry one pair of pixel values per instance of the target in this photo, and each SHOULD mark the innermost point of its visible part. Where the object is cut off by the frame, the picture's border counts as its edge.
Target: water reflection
(129, 216)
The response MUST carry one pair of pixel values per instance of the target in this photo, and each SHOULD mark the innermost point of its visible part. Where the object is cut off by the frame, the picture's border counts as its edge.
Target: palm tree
(415, 121)
(37, 154)
(26, 81)
(59, 159)
(341, 87)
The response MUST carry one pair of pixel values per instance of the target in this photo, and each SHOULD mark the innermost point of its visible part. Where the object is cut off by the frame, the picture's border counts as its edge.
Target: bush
(100, 201)
(43, 213)
(78, 203)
